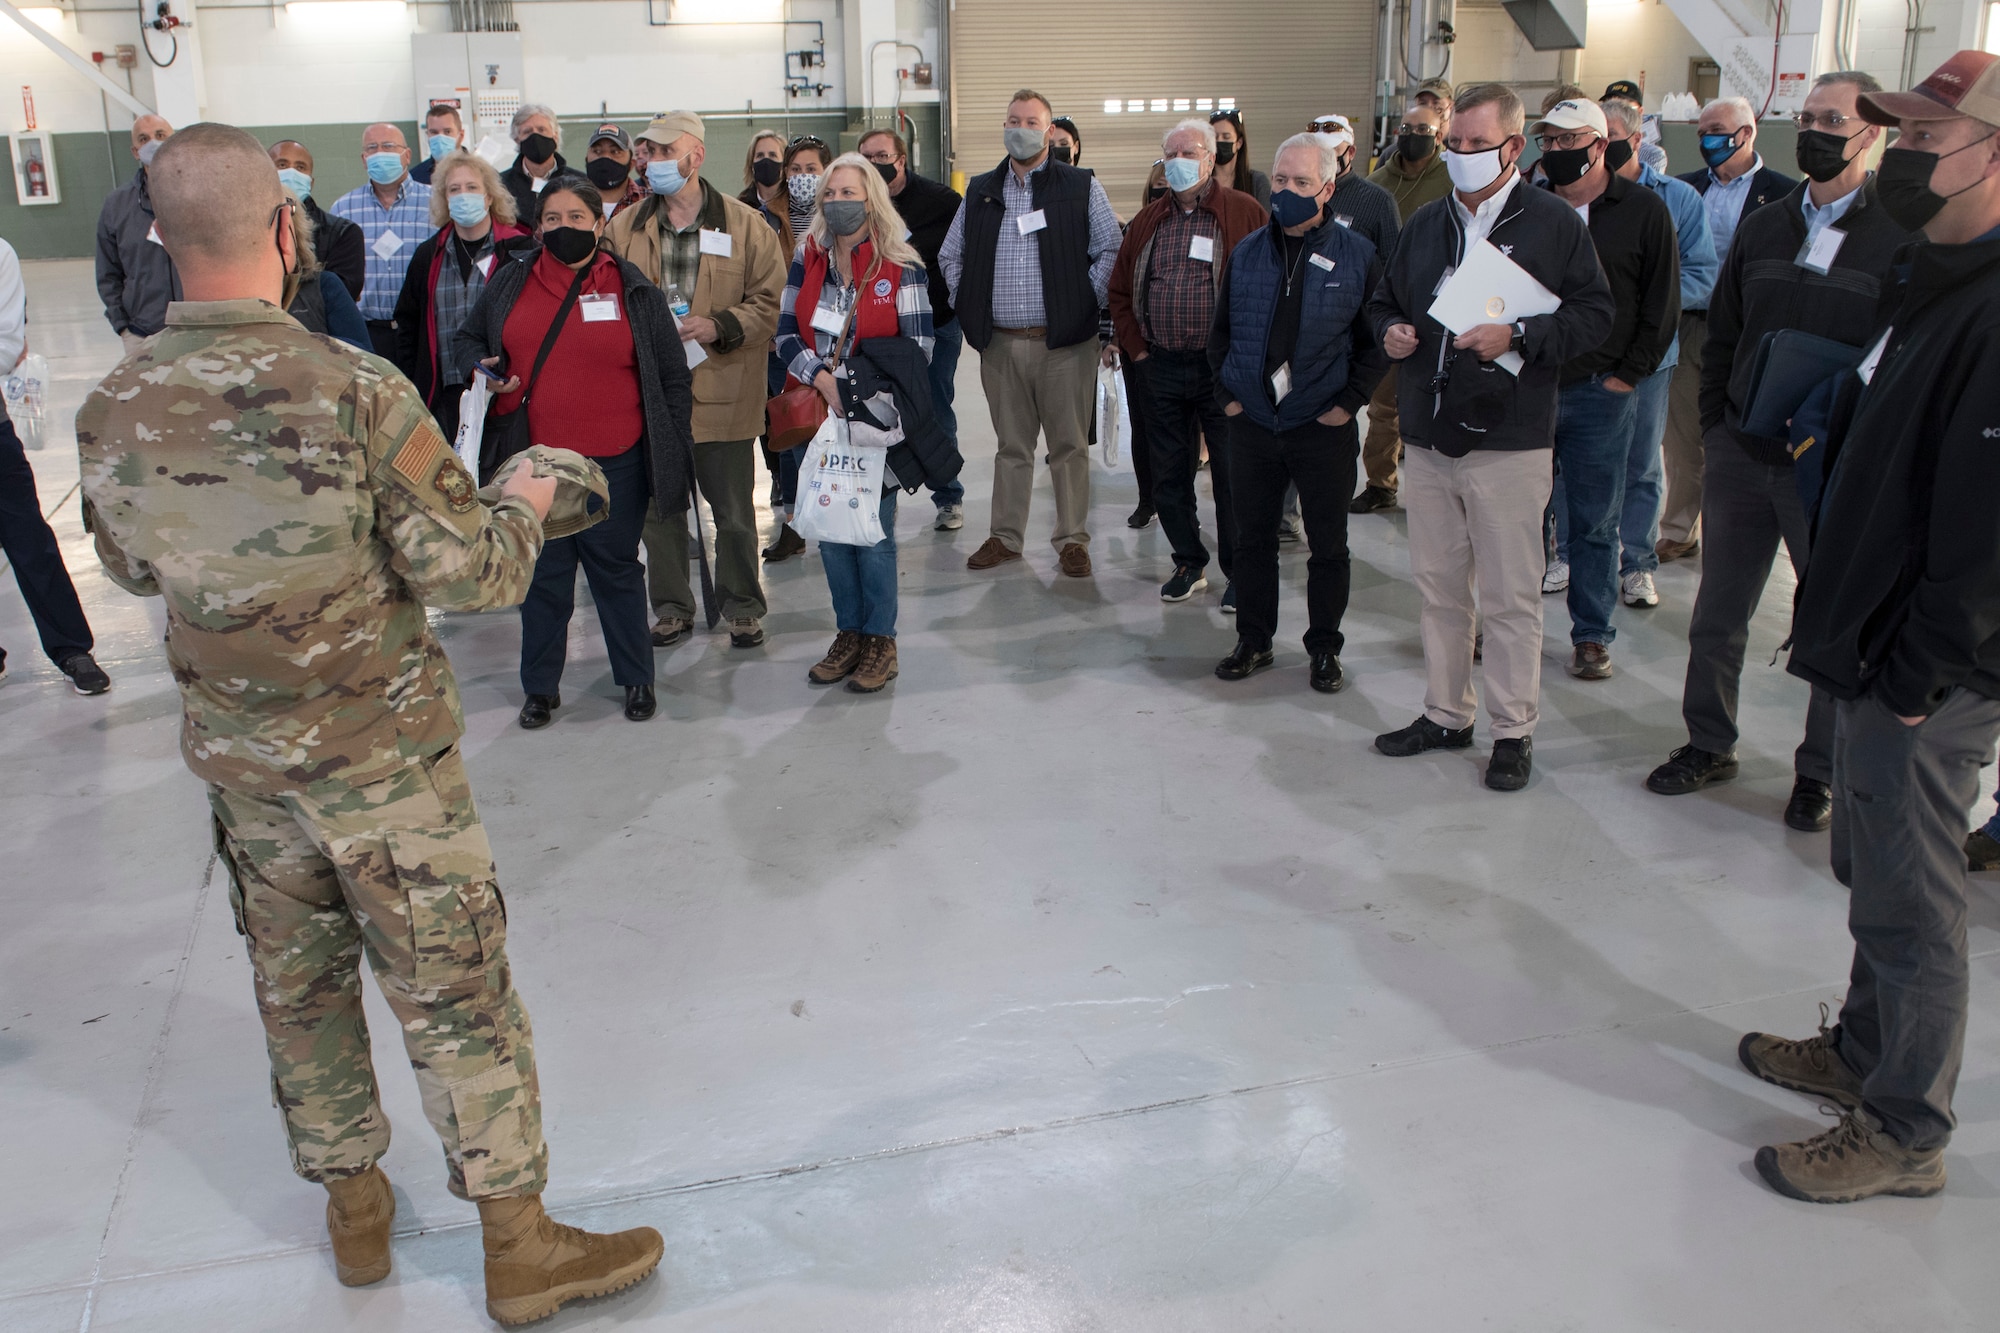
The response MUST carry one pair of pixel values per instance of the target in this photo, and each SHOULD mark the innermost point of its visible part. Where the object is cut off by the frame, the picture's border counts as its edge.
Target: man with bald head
(394, 214)
(135, 277)
(297, 509)
(336, 242)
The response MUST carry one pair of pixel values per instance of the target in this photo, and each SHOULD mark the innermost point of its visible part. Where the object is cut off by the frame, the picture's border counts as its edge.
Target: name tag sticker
(1202, 248)
(1818, 252)
(1030, 223)
(538, 183)
(828, 320)
(1344, 220)
(485, 266)
(598, 308)
(1320, 261)
(717, 243)
(387, 244)
(1866, 370)
(1281, 382)
(153, 234)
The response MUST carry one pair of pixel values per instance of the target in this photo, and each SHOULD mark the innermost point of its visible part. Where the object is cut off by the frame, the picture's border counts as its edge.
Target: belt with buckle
(1038, 331)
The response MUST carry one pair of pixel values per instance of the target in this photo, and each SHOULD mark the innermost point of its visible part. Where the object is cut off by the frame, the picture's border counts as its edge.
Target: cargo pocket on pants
(446, 876)
(228, 860)
(496, 1152)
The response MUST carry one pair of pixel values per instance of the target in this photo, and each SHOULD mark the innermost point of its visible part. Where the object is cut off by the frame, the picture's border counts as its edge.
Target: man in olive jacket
(725, 260)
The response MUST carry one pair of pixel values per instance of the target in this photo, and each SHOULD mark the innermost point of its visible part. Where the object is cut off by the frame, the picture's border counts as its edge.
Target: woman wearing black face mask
(1065, 142)
(1232, 154)
(612, 384)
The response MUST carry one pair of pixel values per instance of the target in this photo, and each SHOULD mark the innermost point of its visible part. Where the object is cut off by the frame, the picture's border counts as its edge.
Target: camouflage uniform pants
(401, 868)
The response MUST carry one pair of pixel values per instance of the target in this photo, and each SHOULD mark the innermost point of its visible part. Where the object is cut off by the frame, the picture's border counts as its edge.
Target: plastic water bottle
(676, 302)
(25, 390)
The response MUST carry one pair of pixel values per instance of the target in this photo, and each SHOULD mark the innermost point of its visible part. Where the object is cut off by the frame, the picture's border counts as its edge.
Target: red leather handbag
(795, 415)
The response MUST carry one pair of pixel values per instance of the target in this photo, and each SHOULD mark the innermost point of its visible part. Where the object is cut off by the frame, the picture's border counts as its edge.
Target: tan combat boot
(878, 664)
(536, 1265)
(840, 660)
(359, 1212)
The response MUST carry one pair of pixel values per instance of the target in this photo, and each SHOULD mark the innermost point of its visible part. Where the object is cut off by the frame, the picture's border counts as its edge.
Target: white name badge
(1320, 261)
(538, 184)
(1817, 254)
(717, 243)
(1866, 370)
(1031, 222)
(153, 234)
(1344, 220)
(1281, 382)
(598, 308)
(387, 244)
(485, 266)
(609, 209)
(1202, 248)
(828, 320)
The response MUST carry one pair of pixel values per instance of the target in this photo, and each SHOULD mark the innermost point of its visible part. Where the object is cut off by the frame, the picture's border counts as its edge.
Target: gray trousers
(1900, 802)
(1747, 508)
(724, 474)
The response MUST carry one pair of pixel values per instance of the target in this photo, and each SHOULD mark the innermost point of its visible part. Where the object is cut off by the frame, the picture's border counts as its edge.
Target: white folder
(1490, 288)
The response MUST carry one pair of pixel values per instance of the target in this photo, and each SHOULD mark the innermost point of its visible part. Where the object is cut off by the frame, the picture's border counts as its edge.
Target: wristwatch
(1519, 342)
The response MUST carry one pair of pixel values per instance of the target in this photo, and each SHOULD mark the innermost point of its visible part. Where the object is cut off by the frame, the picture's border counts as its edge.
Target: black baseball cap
(1624, 88)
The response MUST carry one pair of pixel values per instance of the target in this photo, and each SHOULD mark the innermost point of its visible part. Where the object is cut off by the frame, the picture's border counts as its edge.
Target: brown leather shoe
(840, 660)
(1074, 560)
(536, 1265)
(878, 664)
(359, 1212)
(784, 546)
(1672, 550)
(990, 553)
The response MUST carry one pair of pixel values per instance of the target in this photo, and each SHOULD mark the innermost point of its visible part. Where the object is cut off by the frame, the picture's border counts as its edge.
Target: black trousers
(382, 333)
(1181, 407)
(609, 554)
(1140, 447)
(1321, 461)
(31, 548)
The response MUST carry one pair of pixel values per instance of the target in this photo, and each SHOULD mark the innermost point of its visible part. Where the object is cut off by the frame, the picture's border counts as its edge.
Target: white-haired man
(537, 137)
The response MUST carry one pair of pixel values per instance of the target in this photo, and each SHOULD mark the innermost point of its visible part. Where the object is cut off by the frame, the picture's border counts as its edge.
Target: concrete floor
(1063, 987)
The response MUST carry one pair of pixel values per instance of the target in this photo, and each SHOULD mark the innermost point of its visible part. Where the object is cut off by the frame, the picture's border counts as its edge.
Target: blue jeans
(944, 380)
(1645, 479)
(1593, 438)
(862, 579)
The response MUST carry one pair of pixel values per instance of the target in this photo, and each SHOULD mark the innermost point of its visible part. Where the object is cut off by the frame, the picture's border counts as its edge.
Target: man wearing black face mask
(537, 136)
(1895, 618)
(1815, 261)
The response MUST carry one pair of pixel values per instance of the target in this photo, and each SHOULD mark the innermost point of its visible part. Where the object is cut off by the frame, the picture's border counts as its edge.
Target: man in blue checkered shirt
(394, 214)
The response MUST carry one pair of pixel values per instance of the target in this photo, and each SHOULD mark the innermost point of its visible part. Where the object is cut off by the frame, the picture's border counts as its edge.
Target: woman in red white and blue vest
(855, 261)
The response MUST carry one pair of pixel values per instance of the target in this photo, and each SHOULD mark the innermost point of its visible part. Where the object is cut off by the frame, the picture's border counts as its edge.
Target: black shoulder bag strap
(507, 433)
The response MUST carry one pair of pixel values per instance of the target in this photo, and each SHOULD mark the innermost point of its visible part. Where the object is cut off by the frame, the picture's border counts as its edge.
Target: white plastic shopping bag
(840, 489)
(472, 423)
(26, 390)
(1114, 420)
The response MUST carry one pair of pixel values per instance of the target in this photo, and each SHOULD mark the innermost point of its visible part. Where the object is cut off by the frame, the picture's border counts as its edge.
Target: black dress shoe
(1811, 808)
(1422, 735)
(1327, 677)
(1512, 762)
(639, 703)
(1243, 662)
(1690, 769)
(535, 713)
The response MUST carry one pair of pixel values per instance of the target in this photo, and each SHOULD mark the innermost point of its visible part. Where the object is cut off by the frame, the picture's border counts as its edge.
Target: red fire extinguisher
(38, 179)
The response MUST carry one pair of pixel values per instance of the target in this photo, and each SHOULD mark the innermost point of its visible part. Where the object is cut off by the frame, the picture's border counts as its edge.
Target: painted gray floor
(1063, 987)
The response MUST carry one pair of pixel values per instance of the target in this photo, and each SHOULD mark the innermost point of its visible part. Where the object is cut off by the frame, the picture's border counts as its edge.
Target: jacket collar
(220, 314)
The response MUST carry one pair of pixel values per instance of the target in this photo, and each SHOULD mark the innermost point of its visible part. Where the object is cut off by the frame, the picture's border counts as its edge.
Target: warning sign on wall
(1791, 85)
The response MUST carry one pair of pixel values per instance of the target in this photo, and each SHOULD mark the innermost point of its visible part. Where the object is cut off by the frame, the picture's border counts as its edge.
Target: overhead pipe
(79, 63)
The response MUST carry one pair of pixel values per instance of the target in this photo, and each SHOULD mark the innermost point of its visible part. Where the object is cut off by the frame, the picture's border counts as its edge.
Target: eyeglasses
(1826, 120)
(1429, 131)
(1566, 140)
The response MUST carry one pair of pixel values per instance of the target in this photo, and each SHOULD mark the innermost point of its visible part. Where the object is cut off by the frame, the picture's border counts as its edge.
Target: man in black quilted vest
(1028, 259)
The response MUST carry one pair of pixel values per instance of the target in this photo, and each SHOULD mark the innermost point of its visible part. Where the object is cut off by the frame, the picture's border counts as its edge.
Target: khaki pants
(1480, 518)
(1032, 391)
(131, 340)
(725, 475)
(1680, 451)
(399, 869)
(1383, 448)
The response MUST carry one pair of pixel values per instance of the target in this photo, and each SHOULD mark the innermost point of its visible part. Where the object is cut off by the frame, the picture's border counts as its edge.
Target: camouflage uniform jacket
(297, 508)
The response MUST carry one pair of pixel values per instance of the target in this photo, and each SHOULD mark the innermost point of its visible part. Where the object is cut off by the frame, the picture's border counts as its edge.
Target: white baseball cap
(1342, 135)
(1575, 114)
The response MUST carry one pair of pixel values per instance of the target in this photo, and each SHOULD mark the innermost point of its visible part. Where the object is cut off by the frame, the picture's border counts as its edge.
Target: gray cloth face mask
(1024, 144)
(844, 217)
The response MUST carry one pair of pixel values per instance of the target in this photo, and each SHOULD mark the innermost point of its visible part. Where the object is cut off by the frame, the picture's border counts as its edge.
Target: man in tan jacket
(723, 271)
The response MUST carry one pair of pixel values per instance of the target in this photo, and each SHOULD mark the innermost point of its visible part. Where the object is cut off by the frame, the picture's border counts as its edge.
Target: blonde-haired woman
(316, 297)
(856, 271)
(474, 214)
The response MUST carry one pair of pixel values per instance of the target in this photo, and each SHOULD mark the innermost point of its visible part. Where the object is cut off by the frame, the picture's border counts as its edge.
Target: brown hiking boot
(991, 552)
(1810, 1066)
(536, 1265)
(1853, 1160)
(878, 664)
(1669, 551)
(359, 1212)
(1074, 560)
(840, 660)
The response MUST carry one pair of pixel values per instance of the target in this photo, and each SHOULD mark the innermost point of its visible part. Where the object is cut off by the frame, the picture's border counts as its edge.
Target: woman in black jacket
(613, 385)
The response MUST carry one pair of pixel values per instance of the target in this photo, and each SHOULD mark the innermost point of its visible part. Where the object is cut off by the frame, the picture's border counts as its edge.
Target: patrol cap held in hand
(583, 497)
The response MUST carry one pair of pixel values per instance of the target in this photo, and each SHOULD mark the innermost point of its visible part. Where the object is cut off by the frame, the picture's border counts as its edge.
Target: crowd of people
(644, 318)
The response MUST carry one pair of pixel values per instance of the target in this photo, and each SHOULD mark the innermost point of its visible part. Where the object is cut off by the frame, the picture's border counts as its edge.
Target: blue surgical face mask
(442, 144)
(467, 210)
(664, 177)
(385, 168)
(1182, 173)
(1718, 148)
(296, 181)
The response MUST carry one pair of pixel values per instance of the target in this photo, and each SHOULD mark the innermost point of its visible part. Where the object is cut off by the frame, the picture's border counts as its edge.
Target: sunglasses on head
(810, 140)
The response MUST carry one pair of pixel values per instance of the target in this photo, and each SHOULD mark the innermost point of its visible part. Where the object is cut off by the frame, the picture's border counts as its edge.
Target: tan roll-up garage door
(1279, 62)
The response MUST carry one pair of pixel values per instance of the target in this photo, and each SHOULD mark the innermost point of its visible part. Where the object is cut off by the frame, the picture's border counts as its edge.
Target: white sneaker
(1639, 590)
(950, 518)
(1557, 578)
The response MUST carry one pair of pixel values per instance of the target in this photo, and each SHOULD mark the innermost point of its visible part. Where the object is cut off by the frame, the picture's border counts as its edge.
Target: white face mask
(1472, 172)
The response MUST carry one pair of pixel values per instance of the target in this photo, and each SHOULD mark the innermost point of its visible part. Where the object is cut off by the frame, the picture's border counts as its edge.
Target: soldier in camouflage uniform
(297, 508)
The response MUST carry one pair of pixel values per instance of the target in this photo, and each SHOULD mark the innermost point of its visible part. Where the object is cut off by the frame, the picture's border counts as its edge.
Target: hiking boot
(840, 659)
(1074, 560)
(1422, 735)
(1244, 661)
(670, 631)
(536, 1265)
(1591, 661)
(877, 666)
(1512, 763)
(991, 552)
(1142, 517)
(1982, 852)
(1184, 584)
(950, 518)
(1671, 550)
(746, 632)
(1811, 808)
(1555, 578)
(1811, 1066)
(359, 1212)
(1689, 769)
(1855, 1159)
(1638, 589)
(1372, 500)
(785, 545)
(85, 676)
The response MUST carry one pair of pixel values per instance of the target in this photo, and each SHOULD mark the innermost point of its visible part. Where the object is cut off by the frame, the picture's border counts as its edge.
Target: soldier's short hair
(215, 194)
